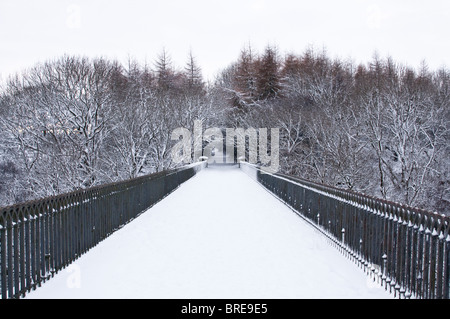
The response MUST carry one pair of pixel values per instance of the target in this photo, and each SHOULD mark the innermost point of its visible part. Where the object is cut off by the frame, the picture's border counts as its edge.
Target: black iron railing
(405, 249)
(39, 238)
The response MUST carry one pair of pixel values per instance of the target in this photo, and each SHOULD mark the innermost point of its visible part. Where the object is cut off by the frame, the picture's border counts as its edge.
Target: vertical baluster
(93, 225)
(120, 201)
(64, 232)
(79, 231)
(384, 272)
(392, 248)
(51, 238)
(347, 224)
(99, 211)
(354, 223)
(23, 252)
(109, 212)
(408, 254)
(28, 245)
(79, 222)
(360, 213)
(385, 245)
(365, 235)
(76, 226)
(60, 204)
(84, 218)
(43, 242)
(432, 261)
(10, 265)
(420, 255)
(344, 225)
(327, 213)
(440, 260)
(84, 224)
(403, 252)
(373, 237)
(414, 252)
(446, 271)
(70, 222)
(34, 244)
(95, 218)
(115, 214)
(371, 212)
(3, 260)
(380, 240)
(369, 238)
(16, 252)
(89, 221)
(102, 207)
(398, 251)
(343, 238)
(426, 259)
(48, 239)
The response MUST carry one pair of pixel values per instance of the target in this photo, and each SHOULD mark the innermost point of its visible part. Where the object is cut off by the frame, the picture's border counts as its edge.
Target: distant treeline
(381, 128)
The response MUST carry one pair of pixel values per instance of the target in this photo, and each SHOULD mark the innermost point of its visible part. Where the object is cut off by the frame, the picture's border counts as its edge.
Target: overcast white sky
(34, 31)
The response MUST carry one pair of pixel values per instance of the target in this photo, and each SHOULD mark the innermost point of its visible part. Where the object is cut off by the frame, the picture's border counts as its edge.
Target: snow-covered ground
(220, 235)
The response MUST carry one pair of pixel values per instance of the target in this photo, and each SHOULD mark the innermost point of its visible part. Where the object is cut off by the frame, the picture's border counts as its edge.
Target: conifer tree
(268, 75)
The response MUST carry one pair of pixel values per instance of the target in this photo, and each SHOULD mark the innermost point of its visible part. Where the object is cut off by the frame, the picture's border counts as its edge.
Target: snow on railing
(405, 249)
(41, 237)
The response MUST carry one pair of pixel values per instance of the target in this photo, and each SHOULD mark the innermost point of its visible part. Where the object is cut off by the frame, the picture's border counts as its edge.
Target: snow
(220, 235)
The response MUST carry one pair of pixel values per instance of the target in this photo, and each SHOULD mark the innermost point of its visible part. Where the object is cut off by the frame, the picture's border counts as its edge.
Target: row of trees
(380, 128)
(76, 122)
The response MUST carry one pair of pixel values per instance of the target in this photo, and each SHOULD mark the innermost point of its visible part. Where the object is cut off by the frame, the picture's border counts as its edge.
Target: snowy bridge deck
(220, 235)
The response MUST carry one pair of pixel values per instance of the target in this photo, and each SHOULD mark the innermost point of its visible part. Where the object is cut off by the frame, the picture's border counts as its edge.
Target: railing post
(3, 273)
(447, 269)
(409, 265)
(440, 262)
(360, 258)
(9, 248)
(403, 252)
(384, 276)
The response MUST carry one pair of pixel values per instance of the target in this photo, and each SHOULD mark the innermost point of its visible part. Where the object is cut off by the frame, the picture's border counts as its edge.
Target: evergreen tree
(193, 75)
(268, 75)
(164, 71)
(245, 78)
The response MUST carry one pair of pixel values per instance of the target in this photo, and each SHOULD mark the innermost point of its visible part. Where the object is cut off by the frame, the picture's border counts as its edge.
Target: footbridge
(222, 231)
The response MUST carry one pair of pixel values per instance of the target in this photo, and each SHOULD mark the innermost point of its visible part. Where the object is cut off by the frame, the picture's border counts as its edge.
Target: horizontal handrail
(407, 249)
(40, 237)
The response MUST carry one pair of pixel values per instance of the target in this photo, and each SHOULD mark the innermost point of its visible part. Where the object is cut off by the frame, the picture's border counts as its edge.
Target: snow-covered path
(220, 235)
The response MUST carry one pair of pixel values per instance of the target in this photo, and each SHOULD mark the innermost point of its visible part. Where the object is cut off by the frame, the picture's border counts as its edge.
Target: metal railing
(39, 238)
(405, 249)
